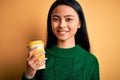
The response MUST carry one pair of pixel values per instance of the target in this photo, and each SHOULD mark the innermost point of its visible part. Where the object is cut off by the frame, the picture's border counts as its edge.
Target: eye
(55, 19)
(69, 19)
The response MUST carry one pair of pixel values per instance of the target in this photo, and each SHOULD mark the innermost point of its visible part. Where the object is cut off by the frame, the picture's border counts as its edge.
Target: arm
(91, 70)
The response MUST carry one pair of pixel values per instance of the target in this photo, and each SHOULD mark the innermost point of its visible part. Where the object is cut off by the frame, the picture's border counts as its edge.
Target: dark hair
(81, 36)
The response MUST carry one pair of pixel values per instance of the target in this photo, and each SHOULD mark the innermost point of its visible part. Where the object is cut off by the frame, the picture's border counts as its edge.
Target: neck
(65, 44)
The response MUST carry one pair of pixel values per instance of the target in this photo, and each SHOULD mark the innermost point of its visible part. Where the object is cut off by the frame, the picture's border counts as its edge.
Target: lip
(62, 32)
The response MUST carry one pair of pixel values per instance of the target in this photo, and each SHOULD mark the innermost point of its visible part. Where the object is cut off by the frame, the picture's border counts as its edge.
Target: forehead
(64, 10)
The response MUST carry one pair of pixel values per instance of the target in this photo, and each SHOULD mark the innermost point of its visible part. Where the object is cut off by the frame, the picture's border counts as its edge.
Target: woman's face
(65, 22)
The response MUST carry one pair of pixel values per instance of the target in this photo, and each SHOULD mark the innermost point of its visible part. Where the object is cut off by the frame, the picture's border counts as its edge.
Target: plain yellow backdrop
(24, 20)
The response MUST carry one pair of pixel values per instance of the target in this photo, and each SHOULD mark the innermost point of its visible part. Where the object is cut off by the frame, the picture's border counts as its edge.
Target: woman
(68, 48)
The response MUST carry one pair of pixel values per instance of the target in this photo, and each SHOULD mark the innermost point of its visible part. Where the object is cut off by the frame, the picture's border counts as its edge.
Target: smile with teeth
(62, 32)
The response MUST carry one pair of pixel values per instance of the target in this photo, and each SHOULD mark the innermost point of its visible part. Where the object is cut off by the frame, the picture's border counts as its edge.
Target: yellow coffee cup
(39, 46)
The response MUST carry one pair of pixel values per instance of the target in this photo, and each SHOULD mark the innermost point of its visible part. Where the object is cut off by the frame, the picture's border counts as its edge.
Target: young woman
(68, 49)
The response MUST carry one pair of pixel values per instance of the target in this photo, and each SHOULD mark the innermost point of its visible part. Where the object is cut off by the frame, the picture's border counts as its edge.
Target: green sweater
(68, 64)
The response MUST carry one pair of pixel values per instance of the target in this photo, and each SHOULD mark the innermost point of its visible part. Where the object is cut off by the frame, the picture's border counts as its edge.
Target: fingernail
(46, 58)
(37, 54)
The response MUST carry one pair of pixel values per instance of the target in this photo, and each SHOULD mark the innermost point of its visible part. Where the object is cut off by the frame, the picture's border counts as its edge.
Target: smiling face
(65, 22)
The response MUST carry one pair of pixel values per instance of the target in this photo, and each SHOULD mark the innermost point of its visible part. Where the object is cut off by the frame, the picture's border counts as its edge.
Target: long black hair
(81, 36)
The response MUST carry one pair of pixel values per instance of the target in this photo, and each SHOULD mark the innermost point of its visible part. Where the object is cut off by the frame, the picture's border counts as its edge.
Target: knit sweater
(68, 64)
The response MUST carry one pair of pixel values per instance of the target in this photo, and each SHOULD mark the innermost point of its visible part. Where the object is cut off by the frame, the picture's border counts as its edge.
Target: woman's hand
(33, 64)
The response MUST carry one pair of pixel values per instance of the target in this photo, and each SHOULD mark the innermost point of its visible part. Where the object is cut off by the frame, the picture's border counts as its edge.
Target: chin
(62, 39)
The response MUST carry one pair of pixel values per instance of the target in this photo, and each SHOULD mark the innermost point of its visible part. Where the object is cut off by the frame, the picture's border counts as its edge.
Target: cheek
(54, 24)
(75, 25)
(78, 23)
(75, 30)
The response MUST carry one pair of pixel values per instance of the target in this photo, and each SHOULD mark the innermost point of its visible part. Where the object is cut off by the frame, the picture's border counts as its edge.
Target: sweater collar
(73, 52)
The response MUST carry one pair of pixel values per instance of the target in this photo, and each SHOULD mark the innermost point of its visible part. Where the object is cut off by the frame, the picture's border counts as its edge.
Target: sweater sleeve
(38, 76)
(91, 70)
(24, 77)
(95, 75)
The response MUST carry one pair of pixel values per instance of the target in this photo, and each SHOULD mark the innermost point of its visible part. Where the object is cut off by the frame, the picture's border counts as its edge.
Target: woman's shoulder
(86, 55)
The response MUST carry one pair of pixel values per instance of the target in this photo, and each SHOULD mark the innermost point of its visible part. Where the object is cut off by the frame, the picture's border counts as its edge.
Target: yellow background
(24, 20)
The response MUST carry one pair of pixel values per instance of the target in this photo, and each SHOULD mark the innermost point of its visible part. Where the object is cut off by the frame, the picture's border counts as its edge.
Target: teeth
(62, 32)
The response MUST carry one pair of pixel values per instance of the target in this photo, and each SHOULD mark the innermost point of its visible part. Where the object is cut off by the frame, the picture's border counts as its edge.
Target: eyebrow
(64, 16)
(55, 16)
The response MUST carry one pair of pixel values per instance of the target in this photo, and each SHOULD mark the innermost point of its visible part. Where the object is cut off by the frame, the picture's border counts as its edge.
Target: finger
(39, 63)
(34, 57)
(43, 59)
(31, 53)
(36, 54)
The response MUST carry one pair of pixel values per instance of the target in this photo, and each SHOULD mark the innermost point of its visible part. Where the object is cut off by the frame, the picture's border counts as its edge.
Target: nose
(62, 24)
